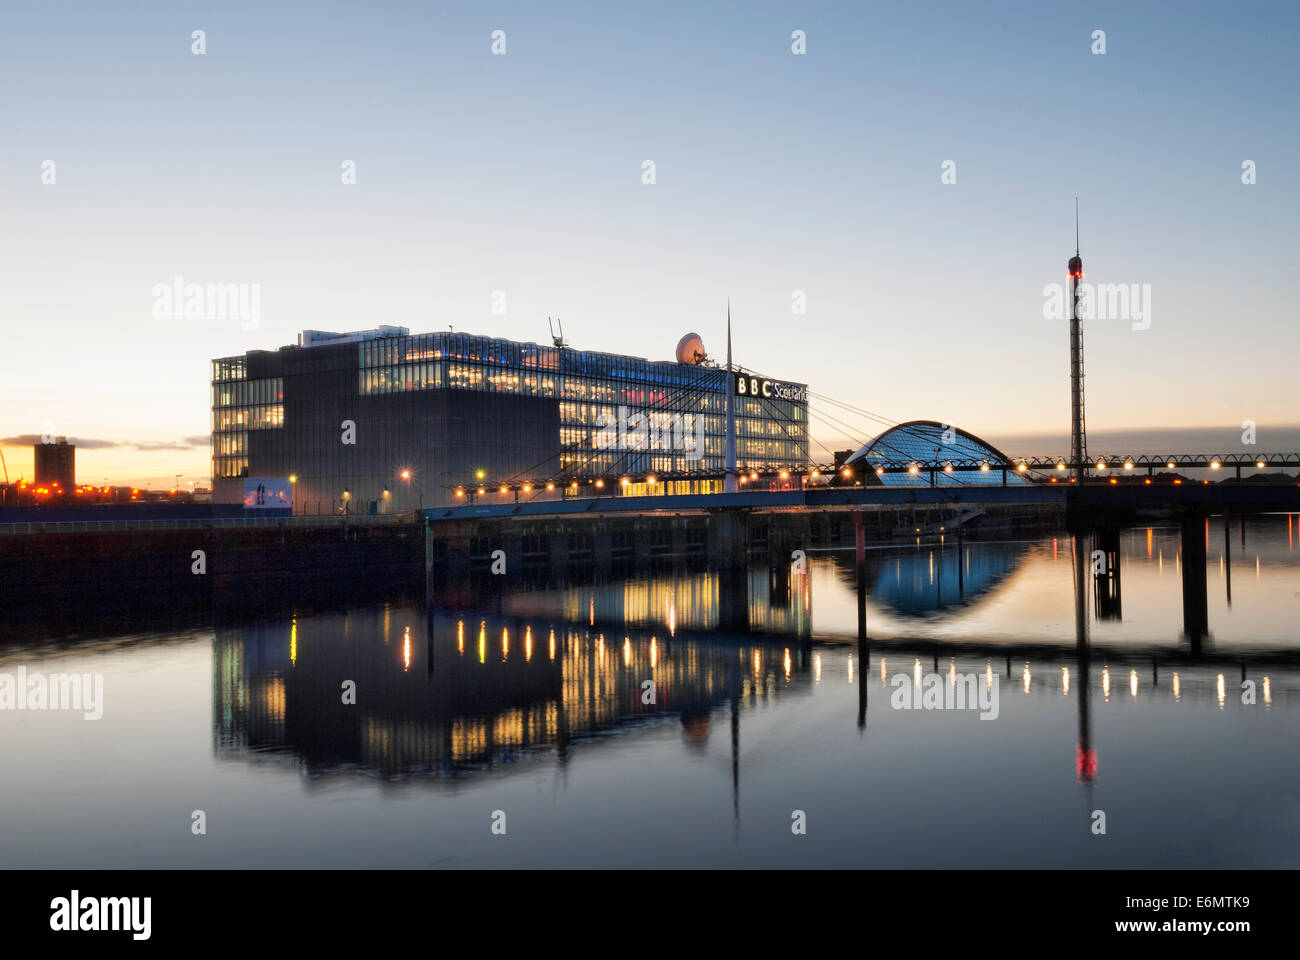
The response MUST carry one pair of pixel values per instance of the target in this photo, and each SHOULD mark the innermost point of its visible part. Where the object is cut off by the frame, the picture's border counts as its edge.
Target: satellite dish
(690, 349)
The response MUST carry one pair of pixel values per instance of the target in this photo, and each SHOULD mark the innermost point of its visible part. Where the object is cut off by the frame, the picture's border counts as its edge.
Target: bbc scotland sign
(761, 389)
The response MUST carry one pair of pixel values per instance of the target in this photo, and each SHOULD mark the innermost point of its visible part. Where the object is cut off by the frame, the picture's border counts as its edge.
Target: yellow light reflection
(528, 644)
(1026, 677)
(1221, 690)
(1268, 691)
(460, 637)
(1133, 683)
(850, 668)
(916, 672)
(787, 663)
(1178, 688)
(817, 668)
(654, 653)
(627, 651)
(505, 644)
(406, 649)
(1065, 681)
(293, 642)
(758, 664)
(1105, 683)
(551, 643)
(482, 641)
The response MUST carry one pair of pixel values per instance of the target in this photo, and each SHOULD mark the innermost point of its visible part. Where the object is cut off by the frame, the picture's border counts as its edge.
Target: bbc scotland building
(382, 421)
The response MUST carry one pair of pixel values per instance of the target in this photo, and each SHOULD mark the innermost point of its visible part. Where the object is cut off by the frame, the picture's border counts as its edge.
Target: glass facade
(238, 406)
(438, 412)
(928, 443)
(597, 393)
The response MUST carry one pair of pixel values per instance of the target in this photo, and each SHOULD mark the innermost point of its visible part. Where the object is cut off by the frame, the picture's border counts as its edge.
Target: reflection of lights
(1133, 683)
(505, 644)
(293, 642)
(1027, 676)
(1178, 688)
(551, 644)
(1221, 689)
(1268, 691)
(916, 672)
(654, 652)
(1105, 682)
(882, 671)
(406, 649)
(460, 637)
(482, 641)
(627, 651)
(1085, 763)
(850, 668)
(1065, 681)
(817, 668)
(786, 663)
(528, 644)
(758, 663)
(952, 673)
(988, 676)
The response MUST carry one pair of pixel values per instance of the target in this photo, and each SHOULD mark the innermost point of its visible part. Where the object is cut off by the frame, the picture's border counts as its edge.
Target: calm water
(533, 707)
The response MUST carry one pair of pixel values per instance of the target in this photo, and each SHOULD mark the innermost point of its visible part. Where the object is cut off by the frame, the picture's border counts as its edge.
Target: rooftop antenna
(559, 341)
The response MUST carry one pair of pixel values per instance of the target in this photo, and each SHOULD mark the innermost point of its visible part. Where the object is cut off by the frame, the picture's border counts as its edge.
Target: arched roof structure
(929, 442)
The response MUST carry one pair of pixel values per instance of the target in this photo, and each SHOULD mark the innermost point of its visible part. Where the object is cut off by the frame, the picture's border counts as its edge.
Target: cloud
(145, 446)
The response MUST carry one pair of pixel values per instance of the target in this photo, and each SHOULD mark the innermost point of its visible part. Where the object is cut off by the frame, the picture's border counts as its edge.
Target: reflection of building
(380, 420)
(56, 464)
(923, 580)
(484, 690)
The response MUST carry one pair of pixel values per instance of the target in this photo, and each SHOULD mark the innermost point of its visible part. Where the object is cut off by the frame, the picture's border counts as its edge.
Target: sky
(780, 179)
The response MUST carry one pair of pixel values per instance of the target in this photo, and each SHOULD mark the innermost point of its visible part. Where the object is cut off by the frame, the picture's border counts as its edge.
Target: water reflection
(427, 704)
(708, 706)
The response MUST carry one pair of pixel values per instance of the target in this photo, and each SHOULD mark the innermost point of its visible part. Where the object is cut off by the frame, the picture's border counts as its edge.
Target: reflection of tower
(1085, 763)
(1078, 438)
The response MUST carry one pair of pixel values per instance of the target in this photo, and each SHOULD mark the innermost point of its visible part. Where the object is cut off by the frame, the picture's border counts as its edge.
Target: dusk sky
(774, 173)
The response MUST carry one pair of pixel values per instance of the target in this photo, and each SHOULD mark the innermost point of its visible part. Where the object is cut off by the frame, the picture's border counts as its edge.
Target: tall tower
(729, 484)
(1078, 436)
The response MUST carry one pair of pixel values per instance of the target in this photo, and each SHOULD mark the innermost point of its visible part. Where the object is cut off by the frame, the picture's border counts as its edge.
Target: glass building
(382, 421)
(932, 447)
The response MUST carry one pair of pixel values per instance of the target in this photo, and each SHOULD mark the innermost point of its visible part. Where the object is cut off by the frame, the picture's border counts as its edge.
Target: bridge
(1092, 495)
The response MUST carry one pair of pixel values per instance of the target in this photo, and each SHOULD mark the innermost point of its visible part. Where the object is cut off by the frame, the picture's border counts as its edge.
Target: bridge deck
(1260, 498)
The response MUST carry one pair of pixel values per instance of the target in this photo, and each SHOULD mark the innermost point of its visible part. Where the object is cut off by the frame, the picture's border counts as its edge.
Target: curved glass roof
(928, 441)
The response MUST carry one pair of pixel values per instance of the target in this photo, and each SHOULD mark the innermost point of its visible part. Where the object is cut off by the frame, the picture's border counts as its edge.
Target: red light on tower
(1085, 764)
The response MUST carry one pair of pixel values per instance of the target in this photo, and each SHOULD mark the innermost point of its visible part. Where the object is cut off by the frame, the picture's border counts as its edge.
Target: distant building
(56, 464)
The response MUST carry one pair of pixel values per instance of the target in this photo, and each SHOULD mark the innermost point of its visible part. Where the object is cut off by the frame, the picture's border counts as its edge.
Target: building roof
(928, 441)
